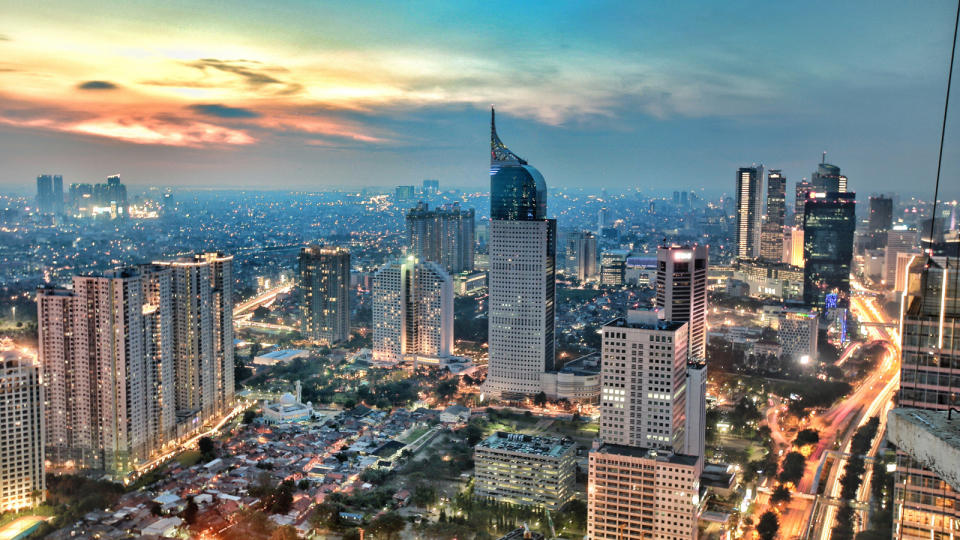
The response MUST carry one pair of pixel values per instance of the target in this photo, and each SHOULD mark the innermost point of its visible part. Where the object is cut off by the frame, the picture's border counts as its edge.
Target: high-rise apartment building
(682, 291)
(203, 329)
(925, 506)
(134, 358)
(325, 293)
(829, 222)
(22, 482)
(525, 470)
(444, 236)
(642, 485)
(582, 255)
(412, 311)
(749, 211)
(522, 279)
(771, 238)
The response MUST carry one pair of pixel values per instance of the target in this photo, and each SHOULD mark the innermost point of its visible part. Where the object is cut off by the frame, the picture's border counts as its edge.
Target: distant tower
(325, 293)
(829, 223)
(803, 189)
(445, 236)
(880, 220)
(522, 280)
(749, 211)
(682, 291)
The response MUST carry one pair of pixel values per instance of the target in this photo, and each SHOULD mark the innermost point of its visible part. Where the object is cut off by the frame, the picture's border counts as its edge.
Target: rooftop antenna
(824, 158)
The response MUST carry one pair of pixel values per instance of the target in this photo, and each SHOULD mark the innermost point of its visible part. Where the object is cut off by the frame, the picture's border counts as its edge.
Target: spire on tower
(500, 155)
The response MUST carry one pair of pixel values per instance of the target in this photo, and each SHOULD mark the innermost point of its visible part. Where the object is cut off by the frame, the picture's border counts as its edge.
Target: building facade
(900, 239)
(525, 470)
(22, 474)
(412, 311)
(613, 267)
(682, 291)
(771, 238)
(582, 255)
(771, 279)
(522, 279)
(925, 506)
(829, 223)
(798, 334)
(325, 293)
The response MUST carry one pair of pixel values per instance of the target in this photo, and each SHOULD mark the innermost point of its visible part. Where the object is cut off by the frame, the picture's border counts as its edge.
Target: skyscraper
(431, 187)
(325, 293)
(22, 482)
(522, 283)
(827, 178)
(50, 193)
(771, 238)
(881, 220)
(829, 222)
(682, 291)
(900, 239)
(613, 267)
(642, 485)
(444, 235)
(925, 506)
(749, 211)
(412, 311)
(803, 189)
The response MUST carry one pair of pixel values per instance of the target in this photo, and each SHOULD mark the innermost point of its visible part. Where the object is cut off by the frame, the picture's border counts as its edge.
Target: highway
(262, 299)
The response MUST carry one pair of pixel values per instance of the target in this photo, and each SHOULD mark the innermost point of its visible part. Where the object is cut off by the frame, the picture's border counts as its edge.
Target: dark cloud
(97, 85)
(223, 111)
(255, 74)
(4, 37)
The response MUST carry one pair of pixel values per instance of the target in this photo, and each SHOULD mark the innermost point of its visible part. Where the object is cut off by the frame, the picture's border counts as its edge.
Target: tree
(190, 512)
(207, 449)
(807, 436)
(540, 399)
(387, 525)
(249, 416)
(792, 468)
(780, 494)
(286, 532)
(447, 389)
(769, 526)
(282, 498)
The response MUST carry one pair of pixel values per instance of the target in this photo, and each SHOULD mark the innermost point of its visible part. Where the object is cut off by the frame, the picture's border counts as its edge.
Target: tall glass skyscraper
(829, 221)
(771, 239)
(522, 253)
(749, 211)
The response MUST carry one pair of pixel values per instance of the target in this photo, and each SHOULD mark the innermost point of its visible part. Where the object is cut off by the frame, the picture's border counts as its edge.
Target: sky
(649, 95)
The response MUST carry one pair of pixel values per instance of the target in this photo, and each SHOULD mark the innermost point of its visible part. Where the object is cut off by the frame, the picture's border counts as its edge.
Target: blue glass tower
(517, 191)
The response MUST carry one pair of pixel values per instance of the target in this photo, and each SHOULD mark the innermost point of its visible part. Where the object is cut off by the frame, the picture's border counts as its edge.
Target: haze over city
(308, 95)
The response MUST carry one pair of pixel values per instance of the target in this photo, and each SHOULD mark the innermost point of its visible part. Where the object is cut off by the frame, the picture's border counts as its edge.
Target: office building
(798, 334)
(771, 237)
(22, 474)
(770, 279)
(106, 201)
(522, 279)
(749, 211)
(682, 291)
(694, 432)
(325, 294)
(925, 506)
(444, 236)
(466, 283)
(603, 219)
(412, 311)
(525, 470)
(50, 194)
(582, 255)
(900, 239)
(803, 190)
(643, 379)
(880, 221)
(642, 484)
(829, 222)
(404, 193)
(827, 178)
(431, 187)
(793, 246)
(613, 267)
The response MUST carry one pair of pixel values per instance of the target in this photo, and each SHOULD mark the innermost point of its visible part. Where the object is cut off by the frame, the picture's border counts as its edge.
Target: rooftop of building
(931, 437)
(644, 320)
(527, 444)
(585, 365)
(648, 453)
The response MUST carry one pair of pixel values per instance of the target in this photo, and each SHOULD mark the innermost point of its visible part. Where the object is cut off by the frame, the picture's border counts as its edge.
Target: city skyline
(305, 97)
